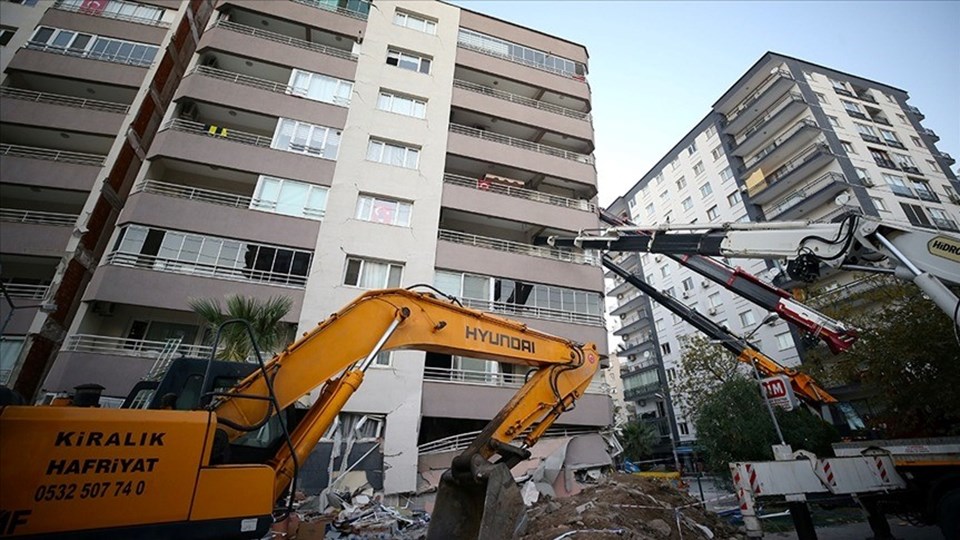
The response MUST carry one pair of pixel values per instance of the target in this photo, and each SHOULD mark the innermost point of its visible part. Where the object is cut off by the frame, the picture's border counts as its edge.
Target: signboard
(779, 392)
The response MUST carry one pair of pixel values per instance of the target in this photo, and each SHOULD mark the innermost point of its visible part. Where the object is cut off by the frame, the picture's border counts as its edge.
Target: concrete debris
(529, 492)
(660, 527)
(359, 515)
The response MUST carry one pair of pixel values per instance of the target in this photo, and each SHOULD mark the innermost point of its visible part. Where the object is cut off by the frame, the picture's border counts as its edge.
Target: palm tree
(264, 316)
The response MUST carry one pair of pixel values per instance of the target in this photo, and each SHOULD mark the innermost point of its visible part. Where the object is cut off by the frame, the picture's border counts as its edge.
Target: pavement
(861, 531)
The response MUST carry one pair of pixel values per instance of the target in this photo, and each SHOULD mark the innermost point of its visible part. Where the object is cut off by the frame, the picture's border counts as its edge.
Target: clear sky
(656, 67)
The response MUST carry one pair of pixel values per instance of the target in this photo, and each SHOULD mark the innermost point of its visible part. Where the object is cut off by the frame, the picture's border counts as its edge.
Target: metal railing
(192, 193)
(32, 152)
(746, 102)
(629, 393)
(792, 97)
(474, 45)
(262, 84)
(66, 101)
(37, 217)
(519, 248)
(463, 440)
(286, 40)
(318, 4)
(25, 290)
(946, 156)
(798, 161)
(778, 142)
(111, 15)
(533, 312)
(520, 100)
(140, 348)
(798, 196)
(520, 143)
(243, 137)
(101, 56)
(929, 132)
(914, 110)
(174, 266)
(520, 193)
(486, 378)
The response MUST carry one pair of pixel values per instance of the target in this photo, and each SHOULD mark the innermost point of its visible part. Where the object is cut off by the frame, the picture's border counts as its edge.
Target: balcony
(486, 378)
(808, 197)
(945, 224)
(661, 426)
(247, 275)
(193, 193)
(520, 193)
(930, 133)
(772, 122)
(37, 217)
(634, 326)
(521, 100)
(233, 135)
(137, 348)
(857, 114)
(795, 138)
(62, 100)
(456, 443)
(864, 95)
(104, 14)
(643, 343)
(587, 258)
(911, 169)
(356, 9)
(871, 138)
(291, 105)
(915, 111)
(286, 40)
(641, 391)
(894, 143)
(534, 312)
(629, 305)
(638, 367)
(843, 91)
(767, 93)
(946, 157)
(474, 41)
(885, 163)
(521, 143)
(808, 161)
(50, 154)
(115, 58)
(25, 290)
(924, 194)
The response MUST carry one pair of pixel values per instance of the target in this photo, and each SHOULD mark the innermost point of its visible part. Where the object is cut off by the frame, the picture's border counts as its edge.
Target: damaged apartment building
(158, 151)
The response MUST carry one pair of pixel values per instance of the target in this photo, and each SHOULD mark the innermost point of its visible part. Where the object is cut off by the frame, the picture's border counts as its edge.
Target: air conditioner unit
(712, 311)
(867, 182)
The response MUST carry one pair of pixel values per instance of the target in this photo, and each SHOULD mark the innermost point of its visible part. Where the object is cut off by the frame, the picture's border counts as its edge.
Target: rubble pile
(628, 507)
(356, 516)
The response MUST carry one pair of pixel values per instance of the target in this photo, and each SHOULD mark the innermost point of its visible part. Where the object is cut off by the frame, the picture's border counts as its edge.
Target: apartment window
(712, 213)
(666, 217)
(851, 106)
(415, 22)
(714, 300)
(698, 168)
(6, 34)
(381, 210)
(304, 138)
(687, 284)
(747, 318)
(903, 119)
(409, 61)
(922, 188)
(933, 166)
(706, 189)
(915, 214)
(733, 198)
(650, 210)
(658, 324)
(671, 292)
(890, 137)
(9, 352)
(847, 147)
(187, 253)
(91, 46)
(681, 183)
(687, 203)
(916, 141)
(370, 274)
(664, 271)
(671, 374)
(684, 428)
(289, 198)
(890, 98)
(726, 174)
(522, 293)
(659, 178)
(820, 97)
(383, 359)
(115, 8)
(897, 185)
(744, 218)
(942, 219)
(393, 154)
(833, 121)
(710, 132)
(676, 318)
(784, 341)
(717, 153)
(320, 87)
(879, 204)
(904, 161)
(407, 106)
(864, 129)
(665, 348)
(837, 85)
(692, 148)
(664, 195)
(521, 54)
(863, 175)
(675, 164)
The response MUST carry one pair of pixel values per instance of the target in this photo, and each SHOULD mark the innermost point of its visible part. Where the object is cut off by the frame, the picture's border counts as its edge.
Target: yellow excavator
(162, 472)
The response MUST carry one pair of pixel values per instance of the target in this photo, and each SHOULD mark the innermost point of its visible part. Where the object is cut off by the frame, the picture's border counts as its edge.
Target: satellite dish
(842, 199)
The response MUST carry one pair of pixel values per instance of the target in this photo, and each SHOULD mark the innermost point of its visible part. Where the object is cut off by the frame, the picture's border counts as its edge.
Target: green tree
(638, 440)
(703, 367)
(264, 316)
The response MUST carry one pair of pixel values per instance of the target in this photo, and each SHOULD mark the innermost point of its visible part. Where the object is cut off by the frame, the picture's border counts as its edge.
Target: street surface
(861, 531)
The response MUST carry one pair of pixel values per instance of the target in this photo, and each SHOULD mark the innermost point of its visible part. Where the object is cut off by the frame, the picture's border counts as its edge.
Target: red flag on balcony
(93, 6)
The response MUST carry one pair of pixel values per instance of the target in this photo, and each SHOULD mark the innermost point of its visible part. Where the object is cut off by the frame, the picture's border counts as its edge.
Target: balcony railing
(188, 126)
(358, 13)
(519, 248)
(249, 275)
(66, 101)
(24, 290)
(930, 133)
(927, 195)
(641, 390)
(474, 43)
(37, 217)
(792, 97)
(880, 120)
(193, 193)
(871, 138)
(639, 366)
(32, 152)
(805, 123)
(520, 193)
(486, 378)
(521, 100)
(101, 56)
(843, 91)
(256, 82)
(534, 312)
(945, 224)
(749, 100)
(520, 143)
(801, 194)
(110, 15)
(893, 143)
(460, 441)
(865, 97)
(907, 168)
(947, 157)
(915, 111)
(139, 348)
(800, 160)
(286, 40)
(885, 163)
(857, 114)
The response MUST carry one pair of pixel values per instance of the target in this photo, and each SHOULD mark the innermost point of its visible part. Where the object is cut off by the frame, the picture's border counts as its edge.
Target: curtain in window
(374, 275)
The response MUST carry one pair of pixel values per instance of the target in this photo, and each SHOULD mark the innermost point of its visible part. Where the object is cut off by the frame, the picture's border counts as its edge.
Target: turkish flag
(384, 212)
(93, 6)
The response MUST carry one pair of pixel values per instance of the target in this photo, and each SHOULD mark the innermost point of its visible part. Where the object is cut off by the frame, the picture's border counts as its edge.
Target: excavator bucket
(483, 507)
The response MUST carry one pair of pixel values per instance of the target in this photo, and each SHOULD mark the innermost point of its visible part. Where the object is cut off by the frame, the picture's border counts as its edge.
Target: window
(320, 87)
(706, 189)
(650, 210)
(674, 164)
(890, 137)
(380, 210)
(833, 121)
(91, 46)
(726, 174)
(666, 217)
(115, 9)
(671, 292)
(304, 138)
(733, 198)
(6, 34)
(355, 426)
(9, 352)
(665, 348)
(664, 271)
(692, 148)
(289, 198)
(915, 214)
(712, 213)
(747, 318)
(671, 374)
(687, 203)
(664, 195)
(659, 179)
(879, 204)
(521, 54)
(687, 284)
(851, 106)
(847, 147)
(714, 300)
(368, 274)
(897, 185)
(407, 106)
(710, 132)
(933, 166)
(717, 153)
(408, 61)
(820, 97)
(864, 129)
(698, 168)
(393, 154)
(658, 325)
(942, 219)
(903, 119)
(383, 359)
(684, 428)
(916, 141)
(415, 22)
(890, 98)
(863, 175)
(681, 183)
(837, 85)
(520, 293)
(904, 161)
(784, 341)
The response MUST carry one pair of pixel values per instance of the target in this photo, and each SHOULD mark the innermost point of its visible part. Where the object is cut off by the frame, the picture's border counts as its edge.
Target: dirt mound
(637, 508)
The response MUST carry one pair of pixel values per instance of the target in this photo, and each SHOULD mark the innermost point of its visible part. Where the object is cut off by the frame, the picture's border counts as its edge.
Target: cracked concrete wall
(394, 391)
